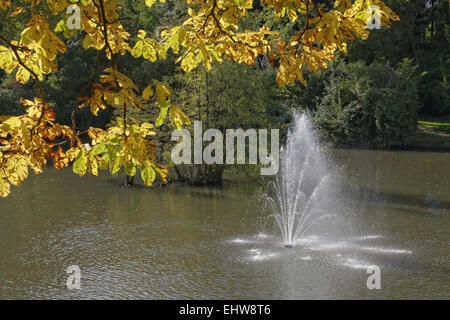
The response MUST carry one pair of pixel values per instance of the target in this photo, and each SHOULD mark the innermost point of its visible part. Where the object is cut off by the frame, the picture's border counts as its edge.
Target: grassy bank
(437, 125)
(433, 133)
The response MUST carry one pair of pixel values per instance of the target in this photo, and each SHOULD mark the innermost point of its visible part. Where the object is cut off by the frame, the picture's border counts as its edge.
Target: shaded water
(183, 242)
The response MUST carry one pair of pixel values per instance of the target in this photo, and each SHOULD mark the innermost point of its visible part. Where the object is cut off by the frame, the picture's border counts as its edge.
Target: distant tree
(422, 35)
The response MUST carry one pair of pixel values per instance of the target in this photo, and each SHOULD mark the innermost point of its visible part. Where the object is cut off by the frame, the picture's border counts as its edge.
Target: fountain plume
(299, 194)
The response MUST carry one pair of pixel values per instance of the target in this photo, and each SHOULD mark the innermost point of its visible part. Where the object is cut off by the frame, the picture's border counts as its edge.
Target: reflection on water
(182, 242)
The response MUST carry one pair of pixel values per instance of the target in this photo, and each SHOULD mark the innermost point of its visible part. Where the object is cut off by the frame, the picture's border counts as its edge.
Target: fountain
(299, 196)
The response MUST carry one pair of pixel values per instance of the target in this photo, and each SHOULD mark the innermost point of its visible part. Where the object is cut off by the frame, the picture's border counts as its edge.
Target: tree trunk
(130, 181)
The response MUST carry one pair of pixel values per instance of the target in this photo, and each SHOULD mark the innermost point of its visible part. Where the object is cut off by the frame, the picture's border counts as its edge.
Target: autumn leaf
(80, 163)
(130, 169)
(148, 175)
(162, 92)
(5, 188)
(5, 4)
(178, 117)
(16, 169)
(162, 115)
(147, 93)
(209, 32)
(150, 3)
(60, 159)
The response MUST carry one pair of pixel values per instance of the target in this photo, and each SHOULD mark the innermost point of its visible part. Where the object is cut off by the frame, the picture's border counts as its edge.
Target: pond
(182, 242)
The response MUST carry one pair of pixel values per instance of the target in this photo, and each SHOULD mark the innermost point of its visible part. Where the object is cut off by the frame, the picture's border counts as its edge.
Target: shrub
(368, 106)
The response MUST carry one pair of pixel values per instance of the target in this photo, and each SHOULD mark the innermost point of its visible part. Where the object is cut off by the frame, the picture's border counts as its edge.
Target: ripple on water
(386, 250)
(354, 263)
(259, 256)
(349, 252)
(239, 240)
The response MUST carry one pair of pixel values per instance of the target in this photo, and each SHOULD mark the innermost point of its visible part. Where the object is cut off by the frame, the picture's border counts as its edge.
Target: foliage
(369, 106)
(209, 32)
(230, 96)
(423, 35)
(233, 95)
(10, 94)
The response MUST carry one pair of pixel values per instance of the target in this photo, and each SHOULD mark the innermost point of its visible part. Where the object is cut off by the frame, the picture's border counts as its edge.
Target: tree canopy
(210, 31)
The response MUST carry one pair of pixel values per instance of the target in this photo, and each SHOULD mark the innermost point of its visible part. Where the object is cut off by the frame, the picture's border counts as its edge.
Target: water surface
(216, 243)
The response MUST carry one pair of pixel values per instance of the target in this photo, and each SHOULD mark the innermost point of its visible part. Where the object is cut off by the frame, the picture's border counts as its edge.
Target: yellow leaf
(150, 3)
(93, 166)
(161, 171)
(17, 169)
(149, 53)
(73, 152)
(162, 92)
(22, 75)
(147, 93)
(141, 34)
(87, 42)
(137, 50)
(5, 188)
(60, 159)
(178, 117)
(5, 4)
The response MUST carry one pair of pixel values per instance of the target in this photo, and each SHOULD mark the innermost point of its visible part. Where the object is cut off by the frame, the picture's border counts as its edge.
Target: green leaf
(148, 175)
(97, 149)
(130, 169)
(80, 163)
(60, 26)
(162, 115)
(114, 163)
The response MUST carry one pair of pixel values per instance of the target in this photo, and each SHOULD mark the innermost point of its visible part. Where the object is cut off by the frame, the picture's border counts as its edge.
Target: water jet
(301, 188)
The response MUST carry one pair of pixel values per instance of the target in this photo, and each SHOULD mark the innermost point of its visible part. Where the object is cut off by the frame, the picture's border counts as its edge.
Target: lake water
(183, 242)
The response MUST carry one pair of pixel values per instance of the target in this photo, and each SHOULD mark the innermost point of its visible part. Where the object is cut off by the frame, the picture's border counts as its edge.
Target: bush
(368, 106)
(10, 94)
